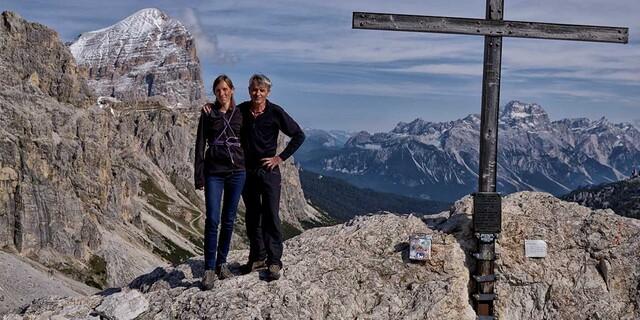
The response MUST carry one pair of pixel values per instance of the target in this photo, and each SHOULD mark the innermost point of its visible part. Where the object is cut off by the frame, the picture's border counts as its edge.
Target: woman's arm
(201, 143)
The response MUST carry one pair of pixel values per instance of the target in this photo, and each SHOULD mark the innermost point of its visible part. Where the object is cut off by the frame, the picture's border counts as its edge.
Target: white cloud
(206, 42)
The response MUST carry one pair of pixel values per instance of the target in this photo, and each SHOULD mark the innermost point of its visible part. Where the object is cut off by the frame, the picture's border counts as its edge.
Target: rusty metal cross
(487, 203)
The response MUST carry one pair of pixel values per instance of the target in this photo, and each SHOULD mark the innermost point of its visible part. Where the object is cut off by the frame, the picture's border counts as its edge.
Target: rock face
(34, 57)
(360, 270)
(440, 160)
(295, 212)
(592, 270)
(97, 196)
(147, 54)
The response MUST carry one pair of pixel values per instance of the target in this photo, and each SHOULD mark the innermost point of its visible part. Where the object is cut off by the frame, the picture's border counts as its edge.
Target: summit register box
(487, 212)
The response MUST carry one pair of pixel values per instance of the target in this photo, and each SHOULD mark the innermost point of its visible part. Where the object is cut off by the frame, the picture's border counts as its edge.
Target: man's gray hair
(260, 80)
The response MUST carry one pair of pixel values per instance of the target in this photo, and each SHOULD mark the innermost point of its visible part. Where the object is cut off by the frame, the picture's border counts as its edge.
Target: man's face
(258, 93)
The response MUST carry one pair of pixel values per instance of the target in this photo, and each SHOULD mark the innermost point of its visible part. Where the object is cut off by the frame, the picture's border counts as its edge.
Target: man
(262, 122)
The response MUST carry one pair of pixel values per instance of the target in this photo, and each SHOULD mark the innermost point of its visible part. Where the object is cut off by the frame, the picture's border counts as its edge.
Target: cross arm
(519, 29)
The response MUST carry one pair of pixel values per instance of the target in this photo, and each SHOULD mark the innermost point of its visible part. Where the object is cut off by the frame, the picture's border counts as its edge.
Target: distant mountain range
(440, 160)
(320, 142)
(623, 197)
(343, 201)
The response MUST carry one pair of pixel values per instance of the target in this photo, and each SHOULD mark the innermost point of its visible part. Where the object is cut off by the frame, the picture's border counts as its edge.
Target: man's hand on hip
(271, 163)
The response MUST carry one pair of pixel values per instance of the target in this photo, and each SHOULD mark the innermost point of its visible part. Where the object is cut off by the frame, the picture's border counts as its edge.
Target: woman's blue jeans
(231, 184)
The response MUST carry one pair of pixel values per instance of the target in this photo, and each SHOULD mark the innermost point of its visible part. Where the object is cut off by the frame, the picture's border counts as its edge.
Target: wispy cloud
(451, 69)
(206, 42)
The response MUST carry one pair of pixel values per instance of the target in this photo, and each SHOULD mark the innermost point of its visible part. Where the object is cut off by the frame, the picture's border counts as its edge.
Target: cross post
(487, 211)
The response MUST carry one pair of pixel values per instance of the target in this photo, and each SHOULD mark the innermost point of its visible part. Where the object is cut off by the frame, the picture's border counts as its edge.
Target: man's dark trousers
(261, 196)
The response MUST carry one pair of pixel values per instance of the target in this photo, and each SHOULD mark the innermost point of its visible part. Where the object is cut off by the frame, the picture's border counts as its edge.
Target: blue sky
(329, 76)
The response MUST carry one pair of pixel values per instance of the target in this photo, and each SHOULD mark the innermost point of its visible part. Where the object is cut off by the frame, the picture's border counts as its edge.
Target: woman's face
(223, 93)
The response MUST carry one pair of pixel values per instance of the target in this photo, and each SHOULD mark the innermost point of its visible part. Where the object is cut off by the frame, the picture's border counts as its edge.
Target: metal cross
(487, 203)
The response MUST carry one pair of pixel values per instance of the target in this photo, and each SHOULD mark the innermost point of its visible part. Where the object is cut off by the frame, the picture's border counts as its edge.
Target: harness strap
(228, 141)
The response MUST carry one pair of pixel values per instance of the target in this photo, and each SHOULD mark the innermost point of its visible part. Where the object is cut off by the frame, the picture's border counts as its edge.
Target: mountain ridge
(440, 160)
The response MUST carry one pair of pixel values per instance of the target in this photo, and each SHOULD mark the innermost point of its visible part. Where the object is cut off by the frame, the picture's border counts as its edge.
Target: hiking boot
(274, 272)
(208, 280)
(252, 266)
(223, 271)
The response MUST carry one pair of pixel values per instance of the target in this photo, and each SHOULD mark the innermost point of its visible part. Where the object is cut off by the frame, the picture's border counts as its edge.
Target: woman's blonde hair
(227, 80)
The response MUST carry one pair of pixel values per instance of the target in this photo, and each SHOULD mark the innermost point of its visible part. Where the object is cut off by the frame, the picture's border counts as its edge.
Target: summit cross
(487, 212)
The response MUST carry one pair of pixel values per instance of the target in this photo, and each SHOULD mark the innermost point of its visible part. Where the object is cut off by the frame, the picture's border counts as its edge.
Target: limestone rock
(359, 269)
(295, 211)
(592, 270)
(32, 56)
(25, 281)
(126, 305)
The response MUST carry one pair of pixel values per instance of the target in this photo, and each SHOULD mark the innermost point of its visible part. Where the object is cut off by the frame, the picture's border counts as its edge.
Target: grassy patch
(94, 275)
(167, 249)
(174, 253)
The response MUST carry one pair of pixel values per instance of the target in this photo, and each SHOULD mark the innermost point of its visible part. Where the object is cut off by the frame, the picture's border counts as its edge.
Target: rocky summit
(360, 269)
(148, 54)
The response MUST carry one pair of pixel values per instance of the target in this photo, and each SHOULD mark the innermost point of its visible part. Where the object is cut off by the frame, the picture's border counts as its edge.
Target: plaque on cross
(493, 28)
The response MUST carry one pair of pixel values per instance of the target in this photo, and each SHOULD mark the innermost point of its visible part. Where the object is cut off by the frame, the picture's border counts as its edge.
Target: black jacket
(260, 135)
(218, 149)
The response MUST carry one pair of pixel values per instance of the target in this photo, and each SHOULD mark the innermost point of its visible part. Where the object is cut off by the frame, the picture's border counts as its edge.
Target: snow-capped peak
(137, 26)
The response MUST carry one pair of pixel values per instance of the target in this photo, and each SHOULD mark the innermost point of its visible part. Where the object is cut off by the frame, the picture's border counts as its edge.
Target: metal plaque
(487, 212)
(535, 248)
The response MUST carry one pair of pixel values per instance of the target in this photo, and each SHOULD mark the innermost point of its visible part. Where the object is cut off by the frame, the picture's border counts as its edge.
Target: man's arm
(291, 128)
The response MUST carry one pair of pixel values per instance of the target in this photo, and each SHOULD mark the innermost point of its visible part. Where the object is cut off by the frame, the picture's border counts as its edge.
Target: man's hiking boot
(274, 272)
(224, 272)
(252, 266)
(208, 280)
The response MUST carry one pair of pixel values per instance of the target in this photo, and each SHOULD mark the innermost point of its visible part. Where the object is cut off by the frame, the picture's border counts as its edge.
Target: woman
(219, 166)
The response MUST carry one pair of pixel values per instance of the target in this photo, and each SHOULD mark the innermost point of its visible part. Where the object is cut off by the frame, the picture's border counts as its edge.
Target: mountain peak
(151, 17)
(516, 112)
(415, 127)
(146, 54)
(517, 109)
